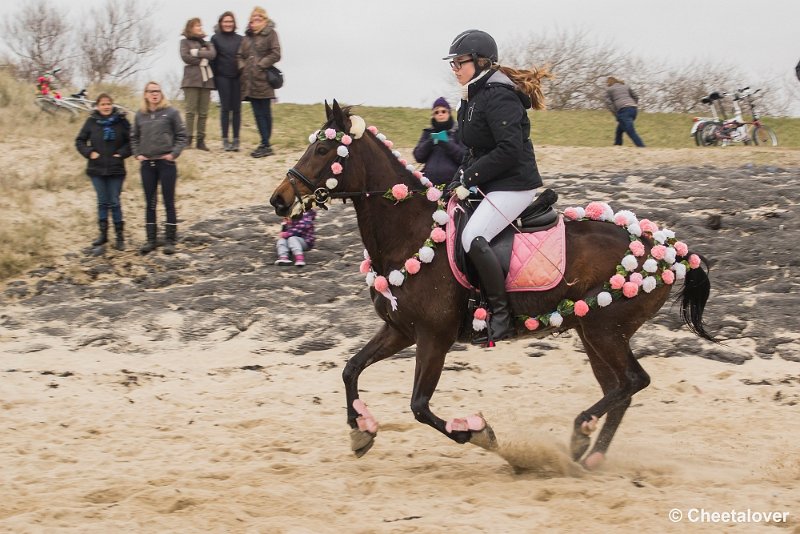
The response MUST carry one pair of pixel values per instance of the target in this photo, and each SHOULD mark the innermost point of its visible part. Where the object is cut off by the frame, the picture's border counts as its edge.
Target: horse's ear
(338, 115)
(328, 111)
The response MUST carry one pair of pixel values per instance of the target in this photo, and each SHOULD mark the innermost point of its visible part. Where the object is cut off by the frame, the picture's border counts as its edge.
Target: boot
(189, 141)
(152, 232)
(102, 239)
(201, 144)
(227, 146)
(493, 286)
(235, 145)
(171, 231)
(119, 227)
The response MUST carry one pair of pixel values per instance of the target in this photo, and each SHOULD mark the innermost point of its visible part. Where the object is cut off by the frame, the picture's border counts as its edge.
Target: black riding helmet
(477, 43)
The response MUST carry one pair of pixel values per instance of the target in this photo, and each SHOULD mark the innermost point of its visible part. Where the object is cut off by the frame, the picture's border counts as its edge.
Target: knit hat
(441, 102)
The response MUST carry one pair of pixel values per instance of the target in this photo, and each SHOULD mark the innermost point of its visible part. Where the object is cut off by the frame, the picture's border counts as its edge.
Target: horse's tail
(696, 288)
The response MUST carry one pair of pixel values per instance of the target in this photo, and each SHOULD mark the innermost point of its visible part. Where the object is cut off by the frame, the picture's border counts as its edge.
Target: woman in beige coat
(198, 80)
(260, 49)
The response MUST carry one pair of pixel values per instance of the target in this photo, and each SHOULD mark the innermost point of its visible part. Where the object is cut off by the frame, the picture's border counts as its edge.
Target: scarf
(442, 126)
(107, 123)
(465, 88)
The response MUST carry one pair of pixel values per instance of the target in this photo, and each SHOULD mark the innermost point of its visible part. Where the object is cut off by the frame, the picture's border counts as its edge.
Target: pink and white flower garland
(398, 193)
(659, 268)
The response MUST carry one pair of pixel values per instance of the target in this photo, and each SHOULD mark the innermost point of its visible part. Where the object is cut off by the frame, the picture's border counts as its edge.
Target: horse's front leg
(431, 352)
(386, 342)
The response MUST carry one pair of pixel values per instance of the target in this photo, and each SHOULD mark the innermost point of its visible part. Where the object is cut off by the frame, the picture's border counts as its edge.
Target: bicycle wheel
(708, 134)
(764, 136)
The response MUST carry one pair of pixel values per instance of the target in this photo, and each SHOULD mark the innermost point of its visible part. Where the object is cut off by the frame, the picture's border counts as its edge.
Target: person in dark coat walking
(493, 124)
(226, 77)
(104, 140)
(622, 101)
(260, 49)
(198, 79)
(439, 147)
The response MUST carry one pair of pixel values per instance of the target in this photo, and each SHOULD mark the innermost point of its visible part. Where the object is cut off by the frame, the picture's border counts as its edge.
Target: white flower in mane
(441, 217)
(649, 284)
(660, 237)
(396, 278)
(635, 229)
(650, 265)
(556, 319)
(426, 254)
(680, 271)
(670, 255)
(357, 126)
(629, 262)
(370, 278)
(630, 218)
(604, 299)
(342, 151)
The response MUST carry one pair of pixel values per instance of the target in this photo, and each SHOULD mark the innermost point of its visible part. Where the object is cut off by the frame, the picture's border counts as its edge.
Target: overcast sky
(373, 52)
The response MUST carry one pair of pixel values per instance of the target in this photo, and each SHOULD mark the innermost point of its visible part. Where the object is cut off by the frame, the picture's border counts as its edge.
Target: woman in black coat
(104, 141)
(493, 124)
(439, 147)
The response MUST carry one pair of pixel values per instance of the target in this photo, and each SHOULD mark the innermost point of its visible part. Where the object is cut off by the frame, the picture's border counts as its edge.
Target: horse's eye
(322, 150)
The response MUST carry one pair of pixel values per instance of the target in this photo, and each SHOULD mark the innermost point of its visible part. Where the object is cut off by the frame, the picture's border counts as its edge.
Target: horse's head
(318, 171)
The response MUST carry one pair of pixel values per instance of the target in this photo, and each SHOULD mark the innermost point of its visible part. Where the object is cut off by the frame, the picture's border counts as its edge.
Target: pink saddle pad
(537, 262)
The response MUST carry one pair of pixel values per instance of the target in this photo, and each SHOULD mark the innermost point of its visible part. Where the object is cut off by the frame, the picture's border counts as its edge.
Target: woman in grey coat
(260, 49)
(198, 79)
(622, 102)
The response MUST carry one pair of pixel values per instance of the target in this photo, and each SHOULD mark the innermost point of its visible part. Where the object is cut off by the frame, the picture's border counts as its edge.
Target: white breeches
(494, 213)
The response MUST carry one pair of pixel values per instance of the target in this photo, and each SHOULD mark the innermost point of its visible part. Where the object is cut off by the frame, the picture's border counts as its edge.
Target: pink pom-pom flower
(681, 248)
(581, 308)
(412, 265)
(531, 323)
(648, 226)
(365, 266)
(336, 167)
(636, 278)
(388, 144)
(346, 139)
(694, 261)
(480, 314)
(571, 213)
(617, 281)
(620, 219)
(438, 235)
(433, 194)
(595, 210)
(330, 133)
(373, 130)
(400, 191)
(381, 284)
(637, 247)
(629, 289)
(417, 175)
(658, 252)
(668, 276)
(403, 162)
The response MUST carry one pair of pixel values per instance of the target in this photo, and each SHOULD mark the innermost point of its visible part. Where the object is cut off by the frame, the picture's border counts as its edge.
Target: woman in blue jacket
(104, 141)
(494, 126)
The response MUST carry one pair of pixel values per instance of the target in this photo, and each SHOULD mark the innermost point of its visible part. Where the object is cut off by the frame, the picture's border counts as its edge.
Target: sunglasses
(456, 64)
(441, 112)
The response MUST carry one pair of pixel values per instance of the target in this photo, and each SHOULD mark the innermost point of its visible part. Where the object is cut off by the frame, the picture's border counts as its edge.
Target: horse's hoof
(361, 442)
(578, 445)
(593, 461)
(485, 439)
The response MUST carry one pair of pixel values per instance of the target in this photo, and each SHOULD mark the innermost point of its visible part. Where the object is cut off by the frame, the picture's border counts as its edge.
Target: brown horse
(432, 304)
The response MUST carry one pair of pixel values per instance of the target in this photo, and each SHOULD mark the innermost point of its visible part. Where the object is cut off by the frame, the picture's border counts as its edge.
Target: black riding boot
(119, 228)
(493, 286)
(102, 239)
(170, 238)
(152, 234)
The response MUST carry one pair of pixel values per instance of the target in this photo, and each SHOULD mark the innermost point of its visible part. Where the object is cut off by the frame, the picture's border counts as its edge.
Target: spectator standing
(439, 147)
(260, 49)
(198, 79)
(622, 101)
(104, 141)
(157, 139)
(226, 77)
(296, 237)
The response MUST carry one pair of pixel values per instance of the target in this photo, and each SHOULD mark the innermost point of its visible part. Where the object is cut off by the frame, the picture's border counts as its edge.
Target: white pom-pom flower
(630, 218)
(357, 126)
(370, 278)
(441, 217)
(649, 283)
(660, 237)
(478, 324)
(396, 153)
(410, 168)
(331, 183)
(604, 299)
(462, 192)
(630, 262)
(426, 254)
(581, 212)
(342, 151)
(670, 255)
(381, 137)
(608, 213)
(396, 278)
(366, 254)
(635, 229)
(650, 265)
(669, 233)
(556, 319)
(680, 271)
(312, 137)
(424, 181)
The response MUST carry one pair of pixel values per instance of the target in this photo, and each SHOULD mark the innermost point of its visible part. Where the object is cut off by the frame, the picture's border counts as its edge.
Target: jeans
(262, 112)
(230, 101)
(166, 172)
(625, 118)
(108, 189)
(296, 244)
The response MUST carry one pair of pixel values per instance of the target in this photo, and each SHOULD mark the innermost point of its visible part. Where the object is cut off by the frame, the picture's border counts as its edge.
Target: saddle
(531, 251)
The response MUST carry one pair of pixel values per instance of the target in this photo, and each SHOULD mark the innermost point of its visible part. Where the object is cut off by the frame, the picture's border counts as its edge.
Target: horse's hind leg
(386, 342)
(620, 376)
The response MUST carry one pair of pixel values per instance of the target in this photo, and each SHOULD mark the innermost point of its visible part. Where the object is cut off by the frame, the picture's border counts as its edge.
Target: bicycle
(49, 99)
(713, 100)
(737, 130)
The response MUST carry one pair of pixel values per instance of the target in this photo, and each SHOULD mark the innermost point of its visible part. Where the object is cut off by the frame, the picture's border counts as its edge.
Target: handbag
(275, 77)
